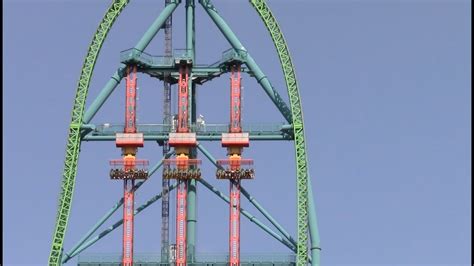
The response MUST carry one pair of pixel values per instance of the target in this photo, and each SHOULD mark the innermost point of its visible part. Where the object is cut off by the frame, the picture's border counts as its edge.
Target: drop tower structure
(182, 141)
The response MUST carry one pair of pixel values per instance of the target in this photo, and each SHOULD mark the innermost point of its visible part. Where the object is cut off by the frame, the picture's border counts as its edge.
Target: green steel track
(74, 137)
(297, 113)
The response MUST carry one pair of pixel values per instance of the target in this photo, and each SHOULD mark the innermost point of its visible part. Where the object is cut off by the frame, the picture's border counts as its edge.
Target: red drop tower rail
(126, 168)
(235, 168)
(182, 168)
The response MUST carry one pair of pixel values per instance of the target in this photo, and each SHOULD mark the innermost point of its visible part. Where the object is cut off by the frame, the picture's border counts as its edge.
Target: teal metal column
(252, 65)
(118, 75)
(192, 184)
(190, 26)
(313, 227)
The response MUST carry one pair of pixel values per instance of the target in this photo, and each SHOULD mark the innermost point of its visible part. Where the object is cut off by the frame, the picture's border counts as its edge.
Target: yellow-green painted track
(74, 137)
(297, 113)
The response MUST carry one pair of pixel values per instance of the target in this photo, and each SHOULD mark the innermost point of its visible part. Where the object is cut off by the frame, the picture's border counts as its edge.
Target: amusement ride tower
(182, 140)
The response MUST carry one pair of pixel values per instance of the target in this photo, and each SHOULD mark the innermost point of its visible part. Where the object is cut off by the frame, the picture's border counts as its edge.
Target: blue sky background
(385, 87)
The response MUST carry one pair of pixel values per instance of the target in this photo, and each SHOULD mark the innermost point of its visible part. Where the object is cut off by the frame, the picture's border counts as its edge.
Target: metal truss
(79, 131)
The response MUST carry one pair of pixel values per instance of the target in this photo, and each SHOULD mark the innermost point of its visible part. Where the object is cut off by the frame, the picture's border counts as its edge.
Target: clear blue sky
(386, 97)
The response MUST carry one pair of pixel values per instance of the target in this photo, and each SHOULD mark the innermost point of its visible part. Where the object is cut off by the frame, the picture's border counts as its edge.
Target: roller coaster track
(297, 113)
(74, 138)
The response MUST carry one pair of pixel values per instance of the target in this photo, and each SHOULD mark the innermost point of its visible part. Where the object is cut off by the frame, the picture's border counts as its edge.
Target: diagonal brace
(251, 217)
(251, 199)
(313, 227)
(115, 225)
(119, 74)
(117, 205)
(250, 62)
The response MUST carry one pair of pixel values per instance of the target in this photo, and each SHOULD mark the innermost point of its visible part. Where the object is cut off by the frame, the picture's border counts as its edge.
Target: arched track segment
(74, 141)
(298, 126)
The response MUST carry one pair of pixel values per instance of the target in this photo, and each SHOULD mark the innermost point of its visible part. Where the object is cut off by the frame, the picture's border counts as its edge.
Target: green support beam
(272, 220)
(251, 199)
(67, 255)
(104, 94)
(252, 65)
(113, 210)
(313, 227)
(116, 224)
(157, 25)
(119, 74)
(191, 215)
(251, 217)
(190, 29)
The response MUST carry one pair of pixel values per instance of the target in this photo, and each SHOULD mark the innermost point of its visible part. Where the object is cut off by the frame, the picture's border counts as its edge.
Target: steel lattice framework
(74, 135)
(80, 129)
(298, 125)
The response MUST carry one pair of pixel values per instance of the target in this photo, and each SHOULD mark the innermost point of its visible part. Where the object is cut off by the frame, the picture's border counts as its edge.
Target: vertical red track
(234, 225)
(128, 208)
(235, 127)
(181, 194)
(131, 101)
(181, 223)
(128, 205)
(235, 99)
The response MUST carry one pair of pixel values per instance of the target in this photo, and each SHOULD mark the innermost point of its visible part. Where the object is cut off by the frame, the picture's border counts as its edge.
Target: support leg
(249, 216)
(127, 257)
(114, 226)
(252, 65)
(192, 188)
(117, 76)
(181, 223)
(234, 225)
(313, 227)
